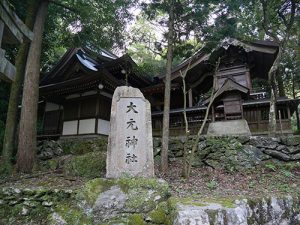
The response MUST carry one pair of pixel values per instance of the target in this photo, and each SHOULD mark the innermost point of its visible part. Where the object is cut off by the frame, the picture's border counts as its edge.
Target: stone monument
(130, 147)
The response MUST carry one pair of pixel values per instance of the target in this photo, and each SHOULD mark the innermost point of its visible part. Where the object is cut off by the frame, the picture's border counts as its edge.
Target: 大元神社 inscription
(130, 148)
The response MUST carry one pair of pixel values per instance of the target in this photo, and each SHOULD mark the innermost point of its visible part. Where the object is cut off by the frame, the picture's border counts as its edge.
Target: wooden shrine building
(12, 31)
(77, 92)
(241, 88)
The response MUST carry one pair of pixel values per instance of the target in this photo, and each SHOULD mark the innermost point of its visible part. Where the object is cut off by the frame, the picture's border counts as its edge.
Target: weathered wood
(12, 30)
(1, 31)
(7, 70)
(17, 30)
(190, 98)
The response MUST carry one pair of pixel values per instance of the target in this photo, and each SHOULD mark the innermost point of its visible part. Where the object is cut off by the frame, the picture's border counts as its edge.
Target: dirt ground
(265, 180)
(269, 179)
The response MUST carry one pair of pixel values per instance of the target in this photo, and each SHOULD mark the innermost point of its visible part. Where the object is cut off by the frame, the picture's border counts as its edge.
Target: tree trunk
(211, 100)
(166, 115)
(271, 77)
(185, 162)
(281, 91)
(272, 115)
(297, 118)
(12, 112)
(27, 134)
(294, 97)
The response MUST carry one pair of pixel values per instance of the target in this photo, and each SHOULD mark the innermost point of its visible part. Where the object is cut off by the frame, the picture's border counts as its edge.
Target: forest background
(140, 29)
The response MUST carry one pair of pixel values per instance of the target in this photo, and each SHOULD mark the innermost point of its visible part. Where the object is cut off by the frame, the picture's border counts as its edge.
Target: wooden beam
(1, 31)
(15, 26)
(7, 70)
(190, 98)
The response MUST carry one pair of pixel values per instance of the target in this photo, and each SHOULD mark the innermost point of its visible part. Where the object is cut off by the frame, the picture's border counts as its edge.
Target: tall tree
(12, 118)
(28, 122)
(166, 114)
(59, 35)
(278, 20)
(186, 18)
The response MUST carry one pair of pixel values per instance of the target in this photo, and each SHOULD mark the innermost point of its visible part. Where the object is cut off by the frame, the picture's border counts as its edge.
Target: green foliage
(259, 84)
(89, 165)
(136, 219)
(287, 173)
(79, 147)
(71, 214)
(212, 185)
(271, 166)
(160, 214)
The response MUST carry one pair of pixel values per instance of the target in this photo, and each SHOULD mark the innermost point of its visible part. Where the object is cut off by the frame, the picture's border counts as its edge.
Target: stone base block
(230, 127)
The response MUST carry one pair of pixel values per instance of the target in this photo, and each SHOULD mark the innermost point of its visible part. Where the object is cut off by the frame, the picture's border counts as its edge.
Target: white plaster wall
(51, 107)
(103, 127)
(87, 126)
(70, 127)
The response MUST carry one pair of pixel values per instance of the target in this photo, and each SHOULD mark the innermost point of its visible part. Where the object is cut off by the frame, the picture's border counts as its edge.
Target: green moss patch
(93, 188)
(136, 219)
(89, 165)
(71, 215)
(83, 146)
(160, 214)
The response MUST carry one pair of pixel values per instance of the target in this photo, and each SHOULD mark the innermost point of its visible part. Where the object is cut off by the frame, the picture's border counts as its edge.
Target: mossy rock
(111, 198)
(136, 219)
(83, 146)
(89, 165)
(228, 153)
(15, 214)
(160, 214)
(93, 188)
(291, 140)
(51, 164)
(69, 214)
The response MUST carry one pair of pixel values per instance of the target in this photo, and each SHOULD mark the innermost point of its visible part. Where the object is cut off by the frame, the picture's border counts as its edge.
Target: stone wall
(230, 153)
(264, 211)
(74, 157)
(98, 201)
(234, 152)
(129, 201)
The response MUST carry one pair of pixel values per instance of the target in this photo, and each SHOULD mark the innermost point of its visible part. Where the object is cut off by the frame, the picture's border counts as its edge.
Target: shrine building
(242, 91)
(77, 92)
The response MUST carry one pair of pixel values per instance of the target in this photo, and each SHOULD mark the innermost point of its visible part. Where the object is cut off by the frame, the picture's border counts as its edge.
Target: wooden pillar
(62, 115)
(242, 109)
(212, 113)
(190, 92)
(58, 130)
(78, 115)
(1, 31)
(43, 119)
(289, 112)
(97, 112)
(258, 117)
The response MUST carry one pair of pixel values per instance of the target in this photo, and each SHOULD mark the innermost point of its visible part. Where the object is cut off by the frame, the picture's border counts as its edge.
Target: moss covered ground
(270, 178)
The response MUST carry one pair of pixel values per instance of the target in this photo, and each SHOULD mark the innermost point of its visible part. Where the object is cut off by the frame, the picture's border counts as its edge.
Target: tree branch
(291, 20)
(265, 21)
(64, 6)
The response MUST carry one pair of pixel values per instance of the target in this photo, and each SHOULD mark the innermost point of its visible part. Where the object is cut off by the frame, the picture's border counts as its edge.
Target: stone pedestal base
(230, 127)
